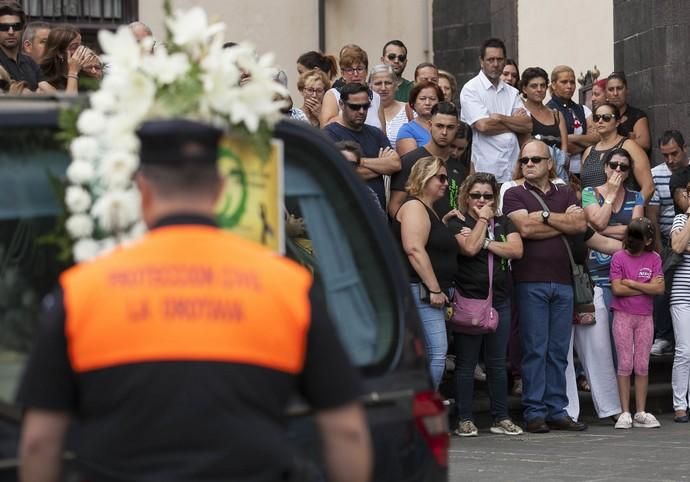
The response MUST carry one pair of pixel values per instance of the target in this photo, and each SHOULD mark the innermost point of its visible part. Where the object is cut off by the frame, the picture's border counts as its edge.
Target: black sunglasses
(534, 159)
(443, 178)
(604, 117)
(401, 58)
(478, 195)
(617, 165)
(358, 107)
(5, 27)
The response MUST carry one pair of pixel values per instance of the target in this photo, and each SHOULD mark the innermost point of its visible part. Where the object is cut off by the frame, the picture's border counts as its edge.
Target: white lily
(120, 48)
(191, 29)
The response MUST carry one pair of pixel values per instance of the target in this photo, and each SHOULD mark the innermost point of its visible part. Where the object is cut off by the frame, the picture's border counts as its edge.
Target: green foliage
(67, 121)
(182, 97)
(261, 139)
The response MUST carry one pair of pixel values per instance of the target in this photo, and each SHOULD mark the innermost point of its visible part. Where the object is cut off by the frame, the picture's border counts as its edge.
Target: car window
(29, 263)
(325, 233)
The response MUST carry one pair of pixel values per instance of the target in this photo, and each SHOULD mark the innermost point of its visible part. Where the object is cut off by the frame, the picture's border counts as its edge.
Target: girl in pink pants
(636, 277)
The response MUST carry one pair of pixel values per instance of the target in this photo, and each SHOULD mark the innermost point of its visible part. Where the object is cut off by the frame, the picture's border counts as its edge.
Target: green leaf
(67, 120)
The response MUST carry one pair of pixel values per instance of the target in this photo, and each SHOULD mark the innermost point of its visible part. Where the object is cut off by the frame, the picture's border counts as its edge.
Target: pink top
(642, 268)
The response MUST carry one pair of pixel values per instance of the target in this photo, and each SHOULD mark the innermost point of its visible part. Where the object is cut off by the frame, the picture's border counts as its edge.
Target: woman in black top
(547, 124)
(483, 232)
(430, 251)
(633, 123)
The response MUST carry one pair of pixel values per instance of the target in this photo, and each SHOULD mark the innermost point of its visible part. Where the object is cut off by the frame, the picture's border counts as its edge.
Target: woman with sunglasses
(354, 64)
(609, 208)
(606, 118)
(481, 233)
(430, 250)
(423, 97)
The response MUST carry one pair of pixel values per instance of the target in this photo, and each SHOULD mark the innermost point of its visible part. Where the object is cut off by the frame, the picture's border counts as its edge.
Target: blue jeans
(436, 340)
(467, 349)
(546, 316)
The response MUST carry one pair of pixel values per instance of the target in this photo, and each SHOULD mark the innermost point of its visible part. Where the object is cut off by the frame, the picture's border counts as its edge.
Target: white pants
(573, 407)
(593, 344)
(680, 376)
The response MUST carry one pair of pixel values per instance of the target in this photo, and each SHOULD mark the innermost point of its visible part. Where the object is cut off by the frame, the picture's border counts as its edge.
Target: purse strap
(573, 266)
(491, 263)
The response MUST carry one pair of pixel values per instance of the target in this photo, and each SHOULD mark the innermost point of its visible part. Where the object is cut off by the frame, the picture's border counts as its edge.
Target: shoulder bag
(583, 290)
(472, 316)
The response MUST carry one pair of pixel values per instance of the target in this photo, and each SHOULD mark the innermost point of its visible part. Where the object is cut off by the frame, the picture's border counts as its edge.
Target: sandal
(583, 384)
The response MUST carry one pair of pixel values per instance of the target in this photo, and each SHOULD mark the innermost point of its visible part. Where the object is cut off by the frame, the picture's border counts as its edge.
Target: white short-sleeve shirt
(479, 99)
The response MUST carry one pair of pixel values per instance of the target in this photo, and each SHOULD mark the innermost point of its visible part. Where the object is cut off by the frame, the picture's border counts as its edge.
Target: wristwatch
(545, 216)
(486, 243)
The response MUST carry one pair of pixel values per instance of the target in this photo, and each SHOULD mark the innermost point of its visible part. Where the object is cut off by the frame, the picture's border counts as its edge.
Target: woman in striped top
(680, 313)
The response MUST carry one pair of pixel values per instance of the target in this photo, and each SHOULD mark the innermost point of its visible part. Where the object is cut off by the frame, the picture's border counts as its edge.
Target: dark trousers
(467, 348)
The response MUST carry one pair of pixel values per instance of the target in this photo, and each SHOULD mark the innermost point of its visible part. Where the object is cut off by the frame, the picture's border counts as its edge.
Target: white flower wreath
(192, 76)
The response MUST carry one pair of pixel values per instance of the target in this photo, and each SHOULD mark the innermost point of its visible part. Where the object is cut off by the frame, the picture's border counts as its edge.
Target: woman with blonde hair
(578, 118)
(430, 255)
(449, 86)
(313, 84)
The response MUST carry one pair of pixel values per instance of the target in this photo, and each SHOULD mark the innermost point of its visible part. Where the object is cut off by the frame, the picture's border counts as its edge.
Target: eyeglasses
(352, 70)
(442, 178)
(5, 27)
(534, 159)
(392, 57)
(311, 91)
(604, 117)
(358, 107)
(617, 165)
(478, 195)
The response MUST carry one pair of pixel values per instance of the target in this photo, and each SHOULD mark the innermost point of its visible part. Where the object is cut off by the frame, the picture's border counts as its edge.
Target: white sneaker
(661, 347)
(645, 420)
(506, 427)
(466, 429)
(624, 420)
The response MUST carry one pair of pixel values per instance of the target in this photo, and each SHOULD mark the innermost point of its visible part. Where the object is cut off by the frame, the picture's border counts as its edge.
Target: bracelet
(606, 201)
(73, 76)
(487, 241)
(436, 292)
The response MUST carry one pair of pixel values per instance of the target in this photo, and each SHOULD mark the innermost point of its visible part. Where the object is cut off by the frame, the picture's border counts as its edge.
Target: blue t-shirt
(370, 140)
(599, 263)
(413, 130)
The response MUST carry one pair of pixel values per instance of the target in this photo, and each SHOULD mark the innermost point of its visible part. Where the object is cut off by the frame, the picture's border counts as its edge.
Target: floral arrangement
(190, 76)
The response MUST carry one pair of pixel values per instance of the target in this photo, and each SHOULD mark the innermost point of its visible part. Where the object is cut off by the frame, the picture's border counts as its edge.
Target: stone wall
(652, 46)
(461, 26)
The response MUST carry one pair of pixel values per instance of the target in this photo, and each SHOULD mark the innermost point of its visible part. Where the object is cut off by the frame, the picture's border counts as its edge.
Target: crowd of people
(492, 194)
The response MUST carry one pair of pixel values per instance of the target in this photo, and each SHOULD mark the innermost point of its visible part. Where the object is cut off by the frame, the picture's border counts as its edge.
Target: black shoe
(681, 418)
(537, 426)
(566, 423)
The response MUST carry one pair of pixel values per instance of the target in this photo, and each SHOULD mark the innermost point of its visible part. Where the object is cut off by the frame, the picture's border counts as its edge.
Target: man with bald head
(543, 284)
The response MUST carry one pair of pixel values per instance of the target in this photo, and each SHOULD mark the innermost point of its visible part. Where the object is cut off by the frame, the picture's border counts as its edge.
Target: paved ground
(599, 454)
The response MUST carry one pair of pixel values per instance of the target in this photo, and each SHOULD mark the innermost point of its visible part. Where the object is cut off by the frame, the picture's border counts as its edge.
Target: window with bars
(88, 15)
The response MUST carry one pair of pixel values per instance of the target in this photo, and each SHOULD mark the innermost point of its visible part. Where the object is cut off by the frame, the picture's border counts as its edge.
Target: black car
(345, 243)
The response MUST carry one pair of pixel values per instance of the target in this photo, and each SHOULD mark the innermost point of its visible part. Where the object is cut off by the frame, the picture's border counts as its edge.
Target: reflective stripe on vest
(187, 293)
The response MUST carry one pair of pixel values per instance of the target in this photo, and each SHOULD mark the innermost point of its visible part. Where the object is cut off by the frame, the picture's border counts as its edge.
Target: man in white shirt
(496, 113)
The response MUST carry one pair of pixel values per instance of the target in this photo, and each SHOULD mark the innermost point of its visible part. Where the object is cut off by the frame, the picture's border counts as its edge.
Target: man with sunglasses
(543, 286)
(17, 64)
(378, 158)
(444, 125)
(495, 112)
(395, 55)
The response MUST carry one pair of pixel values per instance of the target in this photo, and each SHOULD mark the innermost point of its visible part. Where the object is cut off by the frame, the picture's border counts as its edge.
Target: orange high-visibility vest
(187, 293)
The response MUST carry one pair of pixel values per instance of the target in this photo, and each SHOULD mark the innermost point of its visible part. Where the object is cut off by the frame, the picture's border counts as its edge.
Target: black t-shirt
(370, 140)
(457, 173)
(472, 277)
(184, 420)
(23, 69)
(440, 246)
(631, 116)
(578, 246)
(679, 180)
(407, 161)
